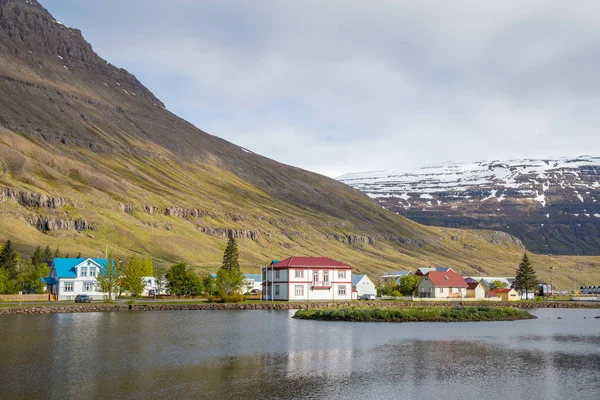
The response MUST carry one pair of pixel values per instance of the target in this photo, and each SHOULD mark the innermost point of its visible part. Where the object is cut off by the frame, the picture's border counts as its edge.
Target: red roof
(473, 285)
(308, 262)
(446, 279)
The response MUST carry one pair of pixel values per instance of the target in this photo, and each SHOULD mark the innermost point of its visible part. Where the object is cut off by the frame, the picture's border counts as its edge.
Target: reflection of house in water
(329, 352)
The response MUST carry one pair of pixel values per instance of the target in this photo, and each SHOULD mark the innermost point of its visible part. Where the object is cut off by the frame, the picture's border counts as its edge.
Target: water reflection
(266, 354)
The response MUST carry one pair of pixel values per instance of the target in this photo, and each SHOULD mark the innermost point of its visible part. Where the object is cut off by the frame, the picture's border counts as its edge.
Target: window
(341, 274)
(277, 290)
(325, 276)
(315, 277)
(342, 290)
(68, 286)
(299, 290)
(441, 290)
(88, 286)
(451, 290)
(92, 271)
(299, 273)
(84, 271)
(276, 273)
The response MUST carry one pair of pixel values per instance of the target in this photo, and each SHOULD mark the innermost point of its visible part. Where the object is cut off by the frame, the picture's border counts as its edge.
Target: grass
(415, 314)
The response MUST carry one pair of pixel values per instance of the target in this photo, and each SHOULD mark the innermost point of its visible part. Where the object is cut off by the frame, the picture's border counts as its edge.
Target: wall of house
(478, 293)
(78, 289)
(426, 288)
(366, 286)
(313, 287)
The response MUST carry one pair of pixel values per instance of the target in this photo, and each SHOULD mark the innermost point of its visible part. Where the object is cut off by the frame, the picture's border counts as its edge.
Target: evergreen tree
(525, 280)
(36, 257)
(108, 277)
(57, 253)
(47, 254)
(9, 260)
(229, 277)
(230, 257)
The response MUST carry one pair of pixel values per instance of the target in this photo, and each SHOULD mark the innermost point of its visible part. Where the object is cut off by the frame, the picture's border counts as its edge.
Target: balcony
(321, 285)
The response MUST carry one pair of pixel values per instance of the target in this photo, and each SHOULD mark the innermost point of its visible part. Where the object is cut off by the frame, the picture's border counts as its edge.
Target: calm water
(266, 354)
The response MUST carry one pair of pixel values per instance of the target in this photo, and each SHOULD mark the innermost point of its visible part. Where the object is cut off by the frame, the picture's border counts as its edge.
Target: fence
(24, 297)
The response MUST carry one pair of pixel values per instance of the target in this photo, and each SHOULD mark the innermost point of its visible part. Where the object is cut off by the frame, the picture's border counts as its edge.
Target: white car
(367, 297)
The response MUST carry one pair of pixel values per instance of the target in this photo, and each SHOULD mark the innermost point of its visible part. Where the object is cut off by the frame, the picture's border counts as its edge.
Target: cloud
(342, 86)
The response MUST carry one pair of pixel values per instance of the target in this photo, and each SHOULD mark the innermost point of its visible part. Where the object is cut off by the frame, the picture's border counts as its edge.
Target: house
(252, 282)
(544, 288)
(363, 285)
(72, 276)
(475, 289)
(442, 284)
(307, 278)
(395, 275)
(425, 271)
(151, 284)
(505, 294)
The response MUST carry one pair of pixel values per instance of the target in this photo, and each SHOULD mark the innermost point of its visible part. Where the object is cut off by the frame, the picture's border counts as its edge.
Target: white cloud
(342, 86)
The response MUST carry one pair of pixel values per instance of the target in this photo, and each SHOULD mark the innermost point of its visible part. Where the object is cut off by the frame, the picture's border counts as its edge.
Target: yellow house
(475, 290)
(504, 294)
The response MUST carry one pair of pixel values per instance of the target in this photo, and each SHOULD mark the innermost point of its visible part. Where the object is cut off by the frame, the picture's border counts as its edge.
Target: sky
(344, 86)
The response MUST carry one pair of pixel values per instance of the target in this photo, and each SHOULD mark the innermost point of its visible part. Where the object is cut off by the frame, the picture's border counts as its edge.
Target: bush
(232, 298)
(396, 293)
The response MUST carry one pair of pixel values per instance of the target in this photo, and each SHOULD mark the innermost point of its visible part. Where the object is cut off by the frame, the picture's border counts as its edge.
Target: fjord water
(267, 354)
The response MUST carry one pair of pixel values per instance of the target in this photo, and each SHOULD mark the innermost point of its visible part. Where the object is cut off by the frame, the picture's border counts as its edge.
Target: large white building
(307, 278)
(72, 276)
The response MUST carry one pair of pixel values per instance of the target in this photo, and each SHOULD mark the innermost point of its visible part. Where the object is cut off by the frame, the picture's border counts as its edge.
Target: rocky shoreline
(102, 307)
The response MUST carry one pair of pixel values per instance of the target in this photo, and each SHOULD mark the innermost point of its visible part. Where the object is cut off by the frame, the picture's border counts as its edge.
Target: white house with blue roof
(72, 276)
(253, 281)
(363, 285)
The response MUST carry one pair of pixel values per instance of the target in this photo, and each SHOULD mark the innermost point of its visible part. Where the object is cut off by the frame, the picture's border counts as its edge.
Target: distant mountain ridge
(551, 204)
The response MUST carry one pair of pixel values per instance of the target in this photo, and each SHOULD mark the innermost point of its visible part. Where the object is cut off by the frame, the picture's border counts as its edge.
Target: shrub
(396, 293)
(232, 298)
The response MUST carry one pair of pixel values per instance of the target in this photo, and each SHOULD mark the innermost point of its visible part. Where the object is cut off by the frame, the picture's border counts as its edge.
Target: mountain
(552, 205)
(90, 158)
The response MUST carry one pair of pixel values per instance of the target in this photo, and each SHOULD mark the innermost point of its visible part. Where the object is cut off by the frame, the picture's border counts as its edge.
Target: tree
(147, 267)
(209, 284)
(47, 254)
(182, 282)
(57, 253)
(9, 260)
(229, 281)
(36, 257)
(525, 280)
(4, 281)
(108, 277)
(229, 277)
(230, 256)
(133, 274)
(408, 284)
(498, 285)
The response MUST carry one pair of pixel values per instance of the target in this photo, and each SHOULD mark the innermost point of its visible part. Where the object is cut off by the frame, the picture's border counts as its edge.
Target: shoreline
(105, 307)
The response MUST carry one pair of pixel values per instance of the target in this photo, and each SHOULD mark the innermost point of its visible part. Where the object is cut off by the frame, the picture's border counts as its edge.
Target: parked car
(151, 292)
(367, 296)
(255, 291)
(83, 298)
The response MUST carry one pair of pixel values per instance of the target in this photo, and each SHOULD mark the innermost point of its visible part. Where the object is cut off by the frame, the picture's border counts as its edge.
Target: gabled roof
(446, 279)
(472, 285)
(67, 267)
(396, 274)
(356, 279)
(307, 262)
(425, 271)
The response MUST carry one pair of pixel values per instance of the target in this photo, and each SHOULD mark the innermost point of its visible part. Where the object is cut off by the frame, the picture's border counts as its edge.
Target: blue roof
(65, 267)
(356, 279)
(256, 277)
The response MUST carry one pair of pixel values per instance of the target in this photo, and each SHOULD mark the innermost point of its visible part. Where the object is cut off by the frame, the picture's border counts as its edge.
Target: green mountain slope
(91, 158)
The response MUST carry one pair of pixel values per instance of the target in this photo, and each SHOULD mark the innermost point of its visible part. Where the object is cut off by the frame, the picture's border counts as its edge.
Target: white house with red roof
(442, 284)
(307, 278)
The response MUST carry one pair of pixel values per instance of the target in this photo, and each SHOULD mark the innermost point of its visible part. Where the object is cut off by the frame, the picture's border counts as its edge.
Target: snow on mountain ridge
(458, 177)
